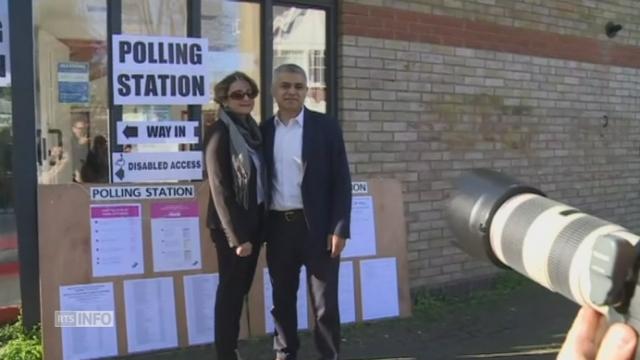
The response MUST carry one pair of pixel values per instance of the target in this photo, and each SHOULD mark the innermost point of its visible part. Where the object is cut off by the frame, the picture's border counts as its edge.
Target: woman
(236, 210)
(96, 167)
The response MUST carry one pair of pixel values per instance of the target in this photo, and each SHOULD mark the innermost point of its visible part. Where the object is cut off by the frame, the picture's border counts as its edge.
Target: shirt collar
(299, 119)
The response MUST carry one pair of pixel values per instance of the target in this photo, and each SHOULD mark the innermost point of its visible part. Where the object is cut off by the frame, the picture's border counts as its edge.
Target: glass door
(9, 280)
(72, 126)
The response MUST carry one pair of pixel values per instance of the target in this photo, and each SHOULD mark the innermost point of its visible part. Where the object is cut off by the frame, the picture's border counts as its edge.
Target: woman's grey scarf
(244, 134)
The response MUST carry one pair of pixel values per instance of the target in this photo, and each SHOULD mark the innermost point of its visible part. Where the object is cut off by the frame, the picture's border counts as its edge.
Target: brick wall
(423, 106)
(570, 17)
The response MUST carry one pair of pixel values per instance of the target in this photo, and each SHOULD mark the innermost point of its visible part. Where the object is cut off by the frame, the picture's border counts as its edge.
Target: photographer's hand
(585, 339)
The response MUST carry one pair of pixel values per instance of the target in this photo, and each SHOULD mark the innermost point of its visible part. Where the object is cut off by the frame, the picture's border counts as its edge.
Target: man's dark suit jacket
(326, 182)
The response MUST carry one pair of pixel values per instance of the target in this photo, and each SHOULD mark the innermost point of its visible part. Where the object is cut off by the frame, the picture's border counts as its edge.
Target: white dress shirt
(288, 168)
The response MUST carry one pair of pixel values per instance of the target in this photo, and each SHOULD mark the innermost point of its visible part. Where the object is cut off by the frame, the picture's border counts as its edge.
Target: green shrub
(18, 344)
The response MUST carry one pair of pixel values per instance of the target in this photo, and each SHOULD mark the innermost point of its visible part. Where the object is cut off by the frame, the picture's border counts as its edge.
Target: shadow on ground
(529, 323)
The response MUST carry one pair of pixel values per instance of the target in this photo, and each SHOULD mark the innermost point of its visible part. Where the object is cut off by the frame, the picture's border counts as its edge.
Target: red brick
(9, 314)
(350, 19)
(446, 21)
(381, 12)
(386, 23)
(408, 16)
(423, 28)
(356, 30)
(350, 8)
(390, 24)
(368, 21)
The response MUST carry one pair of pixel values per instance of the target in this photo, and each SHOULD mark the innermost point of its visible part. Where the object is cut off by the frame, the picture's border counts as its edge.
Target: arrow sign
(158, 132)
(144, 167)
(130, 131)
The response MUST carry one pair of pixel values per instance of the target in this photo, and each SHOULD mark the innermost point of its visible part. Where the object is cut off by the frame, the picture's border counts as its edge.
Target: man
(310, 213)
(79, 145)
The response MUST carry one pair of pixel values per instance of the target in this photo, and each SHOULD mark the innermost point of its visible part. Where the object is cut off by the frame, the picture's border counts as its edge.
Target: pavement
(529, 323)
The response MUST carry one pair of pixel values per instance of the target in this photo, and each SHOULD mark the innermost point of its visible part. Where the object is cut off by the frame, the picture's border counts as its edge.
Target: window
(73, 118)
(299, 37)
(154, 18)
(234, 44)
(8, 240)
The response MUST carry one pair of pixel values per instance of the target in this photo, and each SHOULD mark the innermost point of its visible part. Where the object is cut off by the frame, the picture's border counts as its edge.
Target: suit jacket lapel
(269, 142)
(307, 139)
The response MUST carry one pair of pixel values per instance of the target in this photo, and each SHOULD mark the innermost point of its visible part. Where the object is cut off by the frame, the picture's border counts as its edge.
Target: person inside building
(79, 144)
(236, 212)
(96, 166)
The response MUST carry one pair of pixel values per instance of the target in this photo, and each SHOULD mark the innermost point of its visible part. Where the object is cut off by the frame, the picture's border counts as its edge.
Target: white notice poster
(88, 342)
(303, 317)
(363, 228)
(159, 70)
(346, 293)
(379, 284)
(175, 235)
(151, 314)
(116, 240)
(157, 166)
(200, 302)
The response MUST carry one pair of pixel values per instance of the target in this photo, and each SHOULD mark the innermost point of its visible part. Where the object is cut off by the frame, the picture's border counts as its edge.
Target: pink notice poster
(175, 235)
(116, 240)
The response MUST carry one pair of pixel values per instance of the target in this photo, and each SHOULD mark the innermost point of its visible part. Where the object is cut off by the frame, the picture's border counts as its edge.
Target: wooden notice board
(391, 242)
(65, 258)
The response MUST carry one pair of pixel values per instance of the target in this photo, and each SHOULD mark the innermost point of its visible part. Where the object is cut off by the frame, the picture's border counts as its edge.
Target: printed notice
(155, 70)
(200, 301)
(363, 228)
(379, 284)
(175, 234)
(158, 132)
(116, 239)
(140, 166)
(88, 342)
(73, 82)
(346, 293)
(151, 314)
(302, 307)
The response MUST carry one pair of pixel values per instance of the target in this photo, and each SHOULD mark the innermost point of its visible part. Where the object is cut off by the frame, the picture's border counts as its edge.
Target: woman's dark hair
(220, 93)
(221, 90)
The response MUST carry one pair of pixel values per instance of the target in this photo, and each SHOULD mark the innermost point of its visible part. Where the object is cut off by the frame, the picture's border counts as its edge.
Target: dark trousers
(288, 248)
(236, 275)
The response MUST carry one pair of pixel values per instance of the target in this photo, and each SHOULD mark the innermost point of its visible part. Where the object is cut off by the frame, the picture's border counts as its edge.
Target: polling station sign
(159, 70)
(145, 167)
(158, 132)
(5, 51)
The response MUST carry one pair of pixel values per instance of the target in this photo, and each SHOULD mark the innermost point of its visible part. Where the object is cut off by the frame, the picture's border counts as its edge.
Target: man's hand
(585, 340)
(244, 249)
(335, 244)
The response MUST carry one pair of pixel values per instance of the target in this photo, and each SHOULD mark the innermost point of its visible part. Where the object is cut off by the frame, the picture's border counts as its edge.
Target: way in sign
(165, 131)
(156, 132)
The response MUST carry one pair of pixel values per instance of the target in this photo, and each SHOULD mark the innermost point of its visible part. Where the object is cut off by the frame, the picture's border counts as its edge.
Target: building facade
(424, 90)
(431, 88)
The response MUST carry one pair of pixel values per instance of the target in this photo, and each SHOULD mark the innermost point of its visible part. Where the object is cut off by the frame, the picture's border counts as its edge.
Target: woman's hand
(244, 249)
